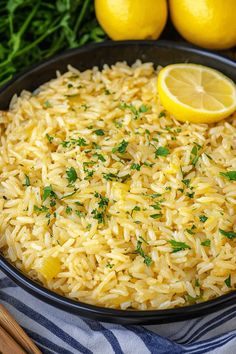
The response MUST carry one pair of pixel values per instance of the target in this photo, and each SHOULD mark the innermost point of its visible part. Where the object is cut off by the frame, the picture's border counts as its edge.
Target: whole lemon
(207, 23)
(132, 19)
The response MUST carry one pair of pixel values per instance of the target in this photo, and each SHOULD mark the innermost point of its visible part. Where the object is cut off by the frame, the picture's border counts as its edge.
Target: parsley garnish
(49, 137)
(139, 250)
(229, 234)
(156, 206)
(68, 210)
(156, 216)
(103, 200)
(100, 157)
(136, 112)
(135, 166)
(79, 213)
(121, 148)
(194, 154)
(99, 132)
(85, 107)
(107, 92)
(136, 208)
(109, 176)
(48, 191)
(206, 243)
(43, 209)
(99, 216)
(47, 104)
(178, 246)
(186, 182)
(228, 281)
(79, 204)
(161, 151)
(155, 195)
(231, 175)
(27, 181)
(197, 284)
(190, 195)
(69, 195)
(73, 142)
(162, 114)
(109, 265)
(203, 218)
(71, 175)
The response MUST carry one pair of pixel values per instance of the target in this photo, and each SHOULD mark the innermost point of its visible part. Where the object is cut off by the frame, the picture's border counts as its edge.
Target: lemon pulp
(196, 93)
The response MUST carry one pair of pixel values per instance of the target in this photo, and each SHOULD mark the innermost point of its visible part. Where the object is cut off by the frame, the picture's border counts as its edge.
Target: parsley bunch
(34, 30)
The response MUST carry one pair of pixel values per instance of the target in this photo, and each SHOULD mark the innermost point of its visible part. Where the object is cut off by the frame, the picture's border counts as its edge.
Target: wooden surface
(9, 329)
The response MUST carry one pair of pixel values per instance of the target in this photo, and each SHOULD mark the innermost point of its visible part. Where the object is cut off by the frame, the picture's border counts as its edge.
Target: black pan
(163, 53)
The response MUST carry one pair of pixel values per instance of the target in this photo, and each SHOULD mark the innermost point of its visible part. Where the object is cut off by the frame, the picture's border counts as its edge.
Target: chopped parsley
(38, 210)
(90, 173)
(100, 157)
(109, 265)
(103, 202)
(206, 243)
(48, 192)
(197, 284)
(99, 216)
(156, 216)
(52, 203)
(79, 204)
(88, 227)
(228, 281)
(162, 114)
(68, 210)
(70, 194)
(194, 156)
(155, 195)
(190, 195)
(231, 175)
(156, 206)
(96, 146)
(27, 181)
(99, 132)
(136, 208)
(107, 92)
(85, 107)
(203, 218)
(186, 182)
(161, 151)
(121, 148)
(178, 246)
(74, 142)
(110, 176)
(140, 251)
(71, 175)
(47, 104)
(79, 213)
(135, 166)
(229, 234)
(49, 137)
(136, 111)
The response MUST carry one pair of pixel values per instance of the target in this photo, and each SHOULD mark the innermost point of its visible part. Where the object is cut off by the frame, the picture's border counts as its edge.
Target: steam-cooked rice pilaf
(107, 199)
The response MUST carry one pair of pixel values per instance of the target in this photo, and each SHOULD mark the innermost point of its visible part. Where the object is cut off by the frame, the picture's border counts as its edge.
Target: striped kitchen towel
(55, 331)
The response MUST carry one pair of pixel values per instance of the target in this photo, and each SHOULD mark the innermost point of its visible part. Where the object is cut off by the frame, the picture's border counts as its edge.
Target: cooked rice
(116, 255)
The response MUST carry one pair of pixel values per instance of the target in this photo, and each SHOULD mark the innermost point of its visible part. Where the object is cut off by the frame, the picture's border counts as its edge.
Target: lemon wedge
(196, 93)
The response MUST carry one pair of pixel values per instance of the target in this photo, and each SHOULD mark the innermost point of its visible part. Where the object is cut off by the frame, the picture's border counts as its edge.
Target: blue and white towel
(55, 331)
